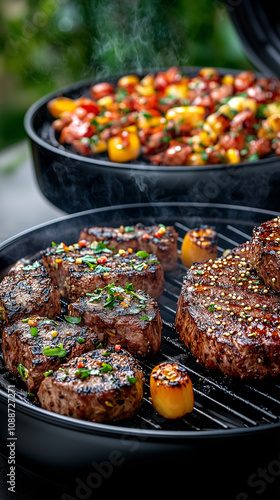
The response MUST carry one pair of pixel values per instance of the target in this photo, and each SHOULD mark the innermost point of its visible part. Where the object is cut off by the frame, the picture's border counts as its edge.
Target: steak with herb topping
(122, 316)
(28, 289)
(265, 252)
(157, 239)
(101, 386)
(79, 269)
(229, 319)
(34, 346)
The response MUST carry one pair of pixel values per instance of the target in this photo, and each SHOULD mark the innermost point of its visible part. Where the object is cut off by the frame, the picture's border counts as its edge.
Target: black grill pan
(226, 411)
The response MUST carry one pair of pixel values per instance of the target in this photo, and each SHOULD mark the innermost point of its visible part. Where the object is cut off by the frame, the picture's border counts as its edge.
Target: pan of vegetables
(199, 134)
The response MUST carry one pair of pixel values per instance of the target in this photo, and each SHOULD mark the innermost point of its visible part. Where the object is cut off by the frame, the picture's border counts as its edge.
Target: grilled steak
(265, 252)
(78, 270)
(34, 346)
(243, 250)
(159, 240)
(229, 319)
(100, 386)
(122, 316)
(26, 290)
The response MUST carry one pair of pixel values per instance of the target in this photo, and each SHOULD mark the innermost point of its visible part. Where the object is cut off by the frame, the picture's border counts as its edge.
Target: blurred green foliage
(46, 44)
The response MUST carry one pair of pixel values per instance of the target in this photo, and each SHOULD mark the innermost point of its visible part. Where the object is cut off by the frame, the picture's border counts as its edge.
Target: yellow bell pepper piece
(190, 114)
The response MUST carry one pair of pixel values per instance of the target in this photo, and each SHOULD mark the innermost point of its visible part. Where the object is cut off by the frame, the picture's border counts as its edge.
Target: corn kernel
(179, 91)
(99, 146)
(196, 159)
(228, 80)
(78, 261)
(145, 90)
(233, 155)
(273, 122)
(121, 251)
(54, 333)
(105, 102)
(189, 114)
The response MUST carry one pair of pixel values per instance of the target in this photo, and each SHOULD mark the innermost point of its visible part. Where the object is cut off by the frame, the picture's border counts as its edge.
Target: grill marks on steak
(230, 319)
(26, 290)
(25, 352)
(108, 387)
(265, 252)
(122, 316)
(156, 239)
(77, 271)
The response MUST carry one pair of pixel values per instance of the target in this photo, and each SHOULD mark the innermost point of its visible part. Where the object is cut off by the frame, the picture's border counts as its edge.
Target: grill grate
(220, 403)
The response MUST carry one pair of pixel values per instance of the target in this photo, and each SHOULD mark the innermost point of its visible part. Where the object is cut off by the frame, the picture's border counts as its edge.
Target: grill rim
(116, 430)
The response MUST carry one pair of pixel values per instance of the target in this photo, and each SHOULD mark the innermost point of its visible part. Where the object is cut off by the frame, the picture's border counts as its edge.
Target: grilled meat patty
(157, 239)
(34, 346)
(265, 252)
(28, 289)
(78, 270)
(123, 316)
(101, 386)
(230, 319)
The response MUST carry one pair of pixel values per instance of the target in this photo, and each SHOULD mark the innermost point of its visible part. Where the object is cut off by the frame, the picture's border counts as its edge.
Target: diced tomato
(101, 90)
(82, 243)
(88, 104)
(101, 260)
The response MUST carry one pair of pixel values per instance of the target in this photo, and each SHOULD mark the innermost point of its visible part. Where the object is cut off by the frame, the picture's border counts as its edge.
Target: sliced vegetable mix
(172, 119)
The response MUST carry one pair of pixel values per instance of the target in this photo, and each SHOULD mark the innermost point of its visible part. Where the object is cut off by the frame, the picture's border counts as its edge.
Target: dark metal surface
(257, 24)
(74, 182)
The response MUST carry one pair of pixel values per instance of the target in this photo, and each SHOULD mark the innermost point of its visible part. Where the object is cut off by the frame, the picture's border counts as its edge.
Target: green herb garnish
(129, 229)
(22, 371)
(132, 380)
(32, 267)
(58, 351)
(34, 331)
(106, 368)
(85, 372)
(72, 320)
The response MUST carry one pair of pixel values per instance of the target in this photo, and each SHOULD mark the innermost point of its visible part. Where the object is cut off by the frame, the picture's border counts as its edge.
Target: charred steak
(157, 239)
(101, 386)
(81, 269)
(229, 319)
(123, 316)
(35, 346)
(265, 252)
(28, 289)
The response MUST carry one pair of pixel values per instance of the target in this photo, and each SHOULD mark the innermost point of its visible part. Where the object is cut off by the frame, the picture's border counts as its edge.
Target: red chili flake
(157, 235)
(82, 243)
(117, 347)
(80, 364)
(101, 260)
(32, 322)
